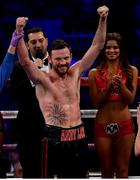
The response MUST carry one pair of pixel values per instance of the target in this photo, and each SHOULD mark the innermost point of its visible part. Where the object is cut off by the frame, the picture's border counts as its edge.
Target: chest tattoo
(57, 115)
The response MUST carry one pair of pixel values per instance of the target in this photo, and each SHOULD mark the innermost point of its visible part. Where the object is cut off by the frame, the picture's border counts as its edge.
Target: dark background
(76, 22)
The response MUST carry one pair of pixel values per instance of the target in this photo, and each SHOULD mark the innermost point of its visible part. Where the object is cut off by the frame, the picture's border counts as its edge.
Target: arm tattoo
(57, 115)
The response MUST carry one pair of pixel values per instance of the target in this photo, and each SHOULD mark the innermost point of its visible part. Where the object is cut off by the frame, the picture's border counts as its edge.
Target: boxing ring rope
(84, 113)
(9, 114)
(90, 113)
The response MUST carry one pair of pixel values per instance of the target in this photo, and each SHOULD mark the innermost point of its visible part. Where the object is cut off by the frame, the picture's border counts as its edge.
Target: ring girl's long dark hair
(125, 65)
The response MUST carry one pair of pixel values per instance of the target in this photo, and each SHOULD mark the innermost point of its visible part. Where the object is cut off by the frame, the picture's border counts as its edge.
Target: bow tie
(46, 61)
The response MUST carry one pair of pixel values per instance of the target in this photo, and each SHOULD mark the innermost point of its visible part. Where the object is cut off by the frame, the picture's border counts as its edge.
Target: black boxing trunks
(64, 152)
(64, 134)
